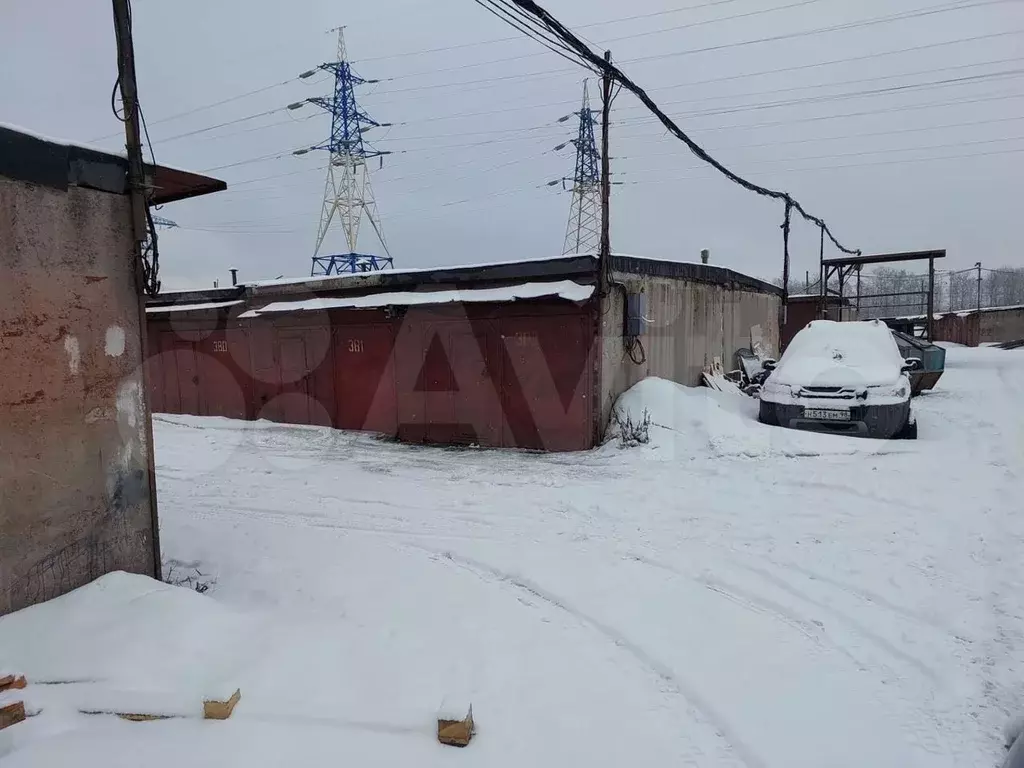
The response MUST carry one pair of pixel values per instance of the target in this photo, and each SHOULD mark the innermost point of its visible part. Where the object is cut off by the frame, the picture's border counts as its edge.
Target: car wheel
(909, 431)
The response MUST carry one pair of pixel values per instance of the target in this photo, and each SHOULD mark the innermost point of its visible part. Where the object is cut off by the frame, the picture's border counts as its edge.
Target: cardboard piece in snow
(221, 710)
(9, 682)
(456, 733)
(11, 714)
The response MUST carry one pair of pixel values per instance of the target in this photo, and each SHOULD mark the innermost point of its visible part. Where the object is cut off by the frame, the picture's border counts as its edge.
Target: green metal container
(932, 357)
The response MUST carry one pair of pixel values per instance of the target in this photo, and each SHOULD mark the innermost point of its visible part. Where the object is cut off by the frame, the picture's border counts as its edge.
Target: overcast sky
(474, 133)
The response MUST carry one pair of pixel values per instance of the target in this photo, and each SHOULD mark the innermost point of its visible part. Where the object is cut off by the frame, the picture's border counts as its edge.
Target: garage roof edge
(35, 159)
(701, 273)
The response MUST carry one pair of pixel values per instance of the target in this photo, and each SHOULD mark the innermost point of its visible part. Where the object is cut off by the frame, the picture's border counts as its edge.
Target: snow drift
(690, 422)
(127, 632)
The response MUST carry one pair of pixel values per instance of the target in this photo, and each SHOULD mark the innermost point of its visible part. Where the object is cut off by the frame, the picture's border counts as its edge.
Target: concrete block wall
(691, 324)
(76, 499)
(1001, 324)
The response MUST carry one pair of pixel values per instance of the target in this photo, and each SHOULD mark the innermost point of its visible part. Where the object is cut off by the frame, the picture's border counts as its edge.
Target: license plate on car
(826, 414)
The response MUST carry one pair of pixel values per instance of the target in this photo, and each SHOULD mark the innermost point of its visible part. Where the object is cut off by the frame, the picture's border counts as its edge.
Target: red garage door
(220, 380)
(181, 374)
(546, 381)
(446, 374)
(364, 379)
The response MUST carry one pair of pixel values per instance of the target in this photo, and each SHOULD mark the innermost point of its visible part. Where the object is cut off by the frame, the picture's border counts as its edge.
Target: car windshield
(853, 345)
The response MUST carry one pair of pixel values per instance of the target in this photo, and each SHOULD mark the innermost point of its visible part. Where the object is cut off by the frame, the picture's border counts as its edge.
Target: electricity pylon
(583, 232)
(348, 193)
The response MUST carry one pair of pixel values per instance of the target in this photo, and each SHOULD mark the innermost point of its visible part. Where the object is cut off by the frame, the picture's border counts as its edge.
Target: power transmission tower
(583, 232)
(154, 223)
(347, 192)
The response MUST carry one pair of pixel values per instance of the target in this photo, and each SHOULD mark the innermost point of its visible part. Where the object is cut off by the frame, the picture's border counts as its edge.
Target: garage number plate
(826, 414)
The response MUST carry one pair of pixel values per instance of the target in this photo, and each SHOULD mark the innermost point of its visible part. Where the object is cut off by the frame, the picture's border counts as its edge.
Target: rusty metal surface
(515, 375)
(919, 382)
(75, 453)
(799, 314)
(364, 377)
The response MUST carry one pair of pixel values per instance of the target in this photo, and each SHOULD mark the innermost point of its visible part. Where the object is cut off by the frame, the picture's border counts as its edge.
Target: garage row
(510, 375)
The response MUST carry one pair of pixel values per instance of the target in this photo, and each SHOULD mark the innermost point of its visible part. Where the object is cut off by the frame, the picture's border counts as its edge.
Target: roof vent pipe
(705, 254)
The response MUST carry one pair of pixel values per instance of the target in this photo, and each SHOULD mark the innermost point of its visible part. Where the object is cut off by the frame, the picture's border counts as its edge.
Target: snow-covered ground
(728, 595)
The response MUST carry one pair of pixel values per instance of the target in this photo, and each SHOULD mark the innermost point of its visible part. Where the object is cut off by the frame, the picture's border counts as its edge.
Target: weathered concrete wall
(1001, 324)
(75, 447)
(691, 324)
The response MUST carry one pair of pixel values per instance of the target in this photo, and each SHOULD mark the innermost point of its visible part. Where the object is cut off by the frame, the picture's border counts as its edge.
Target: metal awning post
(931, 297)
(858, 291)
(822, 289)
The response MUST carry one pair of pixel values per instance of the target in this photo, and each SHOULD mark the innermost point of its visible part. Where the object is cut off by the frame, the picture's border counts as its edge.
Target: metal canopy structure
(842, 268)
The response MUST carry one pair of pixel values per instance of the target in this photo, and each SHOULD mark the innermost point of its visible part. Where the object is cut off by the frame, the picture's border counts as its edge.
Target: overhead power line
(844, 137)
(485, 82)
(890, 150)
(433, 171)
(211, 105)
(522, 134)
(535, 188)
(789, 89)
(236, 121)
(478, 43)
(528, 8)
(936, 84)
(860, 24)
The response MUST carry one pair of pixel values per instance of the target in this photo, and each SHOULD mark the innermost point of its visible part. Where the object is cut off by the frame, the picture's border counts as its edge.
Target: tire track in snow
(740, 597)
(866, 595)
(859, 628)
(298, 520)
(812, 629)
(717, 722)
(932, 736)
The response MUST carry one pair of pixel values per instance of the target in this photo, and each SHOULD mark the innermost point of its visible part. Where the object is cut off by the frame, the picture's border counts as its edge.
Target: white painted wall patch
(74, 354)
(115, 341)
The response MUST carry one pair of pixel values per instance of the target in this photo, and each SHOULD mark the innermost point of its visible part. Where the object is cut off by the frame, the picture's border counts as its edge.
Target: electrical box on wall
(636, 314)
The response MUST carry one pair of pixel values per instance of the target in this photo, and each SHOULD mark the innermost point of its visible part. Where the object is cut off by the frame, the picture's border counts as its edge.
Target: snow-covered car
(841, 377)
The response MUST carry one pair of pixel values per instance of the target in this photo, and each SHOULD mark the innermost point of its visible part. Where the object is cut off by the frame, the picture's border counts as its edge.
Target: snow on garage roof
(193, 307)
(563, 289)
(484, 265)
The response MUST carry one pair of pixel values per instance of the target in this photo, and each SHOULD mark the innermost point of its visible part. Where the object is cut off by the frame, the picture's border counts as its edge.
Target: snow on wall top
(563, 289)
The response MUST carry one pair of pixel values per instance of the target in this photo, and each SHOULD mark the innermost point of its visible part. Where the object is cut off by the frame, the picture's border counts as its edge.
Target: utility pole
(604, 273)
(784, 308)
(132, 133)
(978, 266)
(146, 278)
